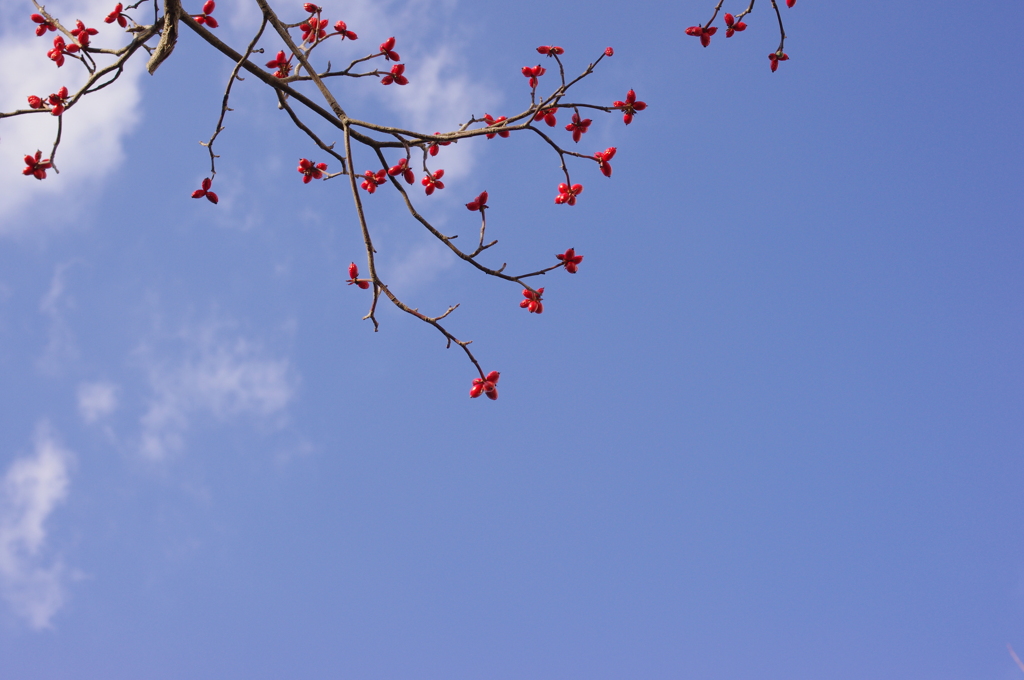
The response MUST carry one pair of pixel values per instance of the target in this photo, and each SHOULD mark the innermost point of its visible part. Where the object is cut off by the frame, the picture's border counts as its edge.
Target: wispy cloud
(96, 400)
(213, 374)
(442, 92)
(419, 265)
(94, 129)
(60, 344)
(30, 491)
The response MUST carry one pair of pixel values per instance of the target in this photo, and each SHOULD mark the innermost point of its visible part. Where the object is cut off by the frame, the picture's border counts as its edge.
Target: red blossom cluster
(732, 26)
(551, 50)
(402, 168)
(486, 385)
(43, 24)
(373, 180)
(310, 170)
(314, 29)
(567, 194)
(578, 126)
(570, 260)
(702, 32)
(60, 48)
(547, 115)
(118, 16)
(205, 192)
(432, 181)
(629, 107)
(534, 72)
(283, 66)
(82, 33)
(37, 165)
(602, 160)
(387, 51)
(532, 303)
(353, 277)
(478, 203)
(205, 17)
(342, 28)
(775, 57)
(496, 122)
(395, 76)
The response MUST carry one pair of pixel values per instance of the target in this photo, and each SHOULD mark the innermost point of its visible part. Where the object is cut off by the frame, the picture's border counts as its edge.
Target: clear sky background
(773, 427)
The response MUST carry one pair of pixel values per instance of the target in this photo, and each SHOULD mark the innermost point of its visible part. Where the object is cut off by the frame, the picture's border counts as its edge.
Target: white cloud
(224, 377)
(29, 492)
(93, 129)
(419, 265)
(60, 343)
(96, 400)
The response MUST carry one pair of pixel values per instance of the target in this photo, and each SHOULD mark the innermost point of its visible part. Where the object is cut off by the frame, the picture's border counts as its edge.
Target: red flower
(205, 191)
(478, 203)
(116, 15)
(550, 50)
(36, 165)
(568, 194)
(82, 33)
(702, 32)
(434, 147)
(58, 101)
(312, 9)
(547, 115)
(205, 17)
(496, 122)
(570, 260)
(776, 57)
(629, 107)
(608, 51)
(35, 102)
(44, 25)
(282, 65)
(431, 181)
(532, 303)
(310, 170)
(602, 160)
(487, 385)
(732, 26)
(389, 54)
(342, 28)
(374, 180)
(402, 168)
(353, 277)
(60, 49)
(534, 72)
(395, 76)
(313, 29)
(577, 127)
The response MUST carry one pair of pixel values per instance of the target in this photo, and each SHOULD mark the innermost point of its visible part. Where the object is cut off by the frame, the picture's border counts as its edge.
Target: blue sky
(773, 426)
